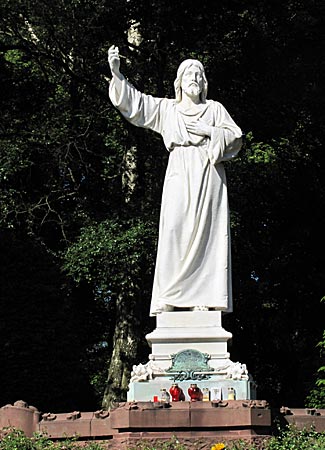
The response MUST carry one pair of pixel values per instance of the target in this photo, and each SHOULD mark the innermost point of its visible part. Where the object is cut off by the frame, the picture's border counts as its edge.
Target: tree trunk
(126, 335)
(125, 351)
(130, 173)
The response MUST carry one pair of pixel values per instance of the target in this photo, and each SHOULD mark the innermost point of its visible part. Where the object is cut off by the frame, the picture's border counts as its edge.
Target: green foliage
(240, 445)
(111, 255)
(116, 258)
(293, 439)
(260, 152)
(172, 444)
(316, 398)
(288, 439)
(13, 439)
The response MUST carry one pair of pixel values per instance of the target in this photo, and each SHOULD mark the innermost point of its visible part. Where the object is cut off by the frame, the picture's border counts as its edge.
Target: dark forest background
(80, 189)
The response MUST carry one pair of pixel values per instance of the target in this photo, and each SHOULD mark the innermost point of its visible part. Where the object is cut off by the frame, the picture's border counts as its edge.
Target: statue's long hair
(177, 83)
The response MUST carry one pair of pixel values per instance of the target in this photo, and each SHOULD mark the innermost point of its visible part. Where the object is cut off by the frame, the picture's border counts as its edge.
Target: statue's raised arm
(138, 108)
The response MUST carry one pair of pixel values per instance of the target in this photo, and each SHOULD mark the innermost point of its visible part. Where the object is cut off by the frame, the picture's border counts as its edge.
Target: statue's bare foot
(200, 308)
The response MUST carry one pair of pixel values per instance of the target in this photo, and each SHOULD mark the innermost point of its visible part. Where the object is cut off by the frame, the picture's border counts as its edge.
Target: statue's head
(185, 67)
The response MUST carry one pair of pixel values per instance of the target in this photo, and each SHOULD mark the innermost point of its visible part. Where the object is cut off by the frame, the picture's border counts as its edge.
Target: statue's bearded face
(192, 81)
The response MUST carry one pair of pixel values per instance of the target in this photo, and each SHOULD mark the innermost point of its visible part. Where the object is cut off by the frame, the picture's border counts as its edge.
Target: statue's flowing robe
(193, 265)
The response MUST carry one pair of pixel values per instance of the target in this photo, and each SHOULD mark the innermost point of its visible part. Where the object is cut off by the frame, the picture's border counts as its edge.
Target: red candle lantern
(195, 393)
(176, 393)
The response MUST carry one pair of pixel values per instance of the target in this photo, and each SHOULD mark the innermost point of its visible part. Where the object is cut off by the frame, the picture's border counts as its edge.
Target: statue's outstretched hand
(114, 60)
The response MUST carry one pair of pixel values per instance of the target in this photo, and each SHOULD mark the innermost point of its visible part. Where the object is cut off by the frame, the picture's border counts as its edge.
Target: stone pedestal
(198, 330)
(190, 347)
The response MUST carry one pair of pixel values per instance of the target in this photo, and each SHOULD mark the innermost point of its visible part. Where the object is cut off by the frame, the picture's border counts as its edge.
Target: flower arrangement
(218, 446)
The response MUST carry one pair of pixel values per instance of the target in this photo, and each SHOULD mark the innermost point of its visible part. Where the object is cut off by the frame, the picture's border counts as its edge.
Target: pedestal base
(190, 347)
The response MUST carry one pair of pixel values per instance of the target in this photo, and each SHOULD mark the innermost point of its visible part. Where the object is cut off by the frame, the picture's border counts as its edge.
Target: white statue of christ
(193, 265)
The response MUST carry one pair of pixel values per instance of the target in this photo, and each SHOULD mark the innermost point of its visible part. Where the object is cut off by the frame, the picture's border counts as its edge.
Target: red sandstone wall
(130, 422)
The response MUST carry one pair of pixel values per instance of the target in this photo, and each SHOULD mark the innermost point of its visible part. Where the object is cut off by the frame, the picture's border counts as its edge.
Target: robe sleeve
(226, 137)
(139, 109)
